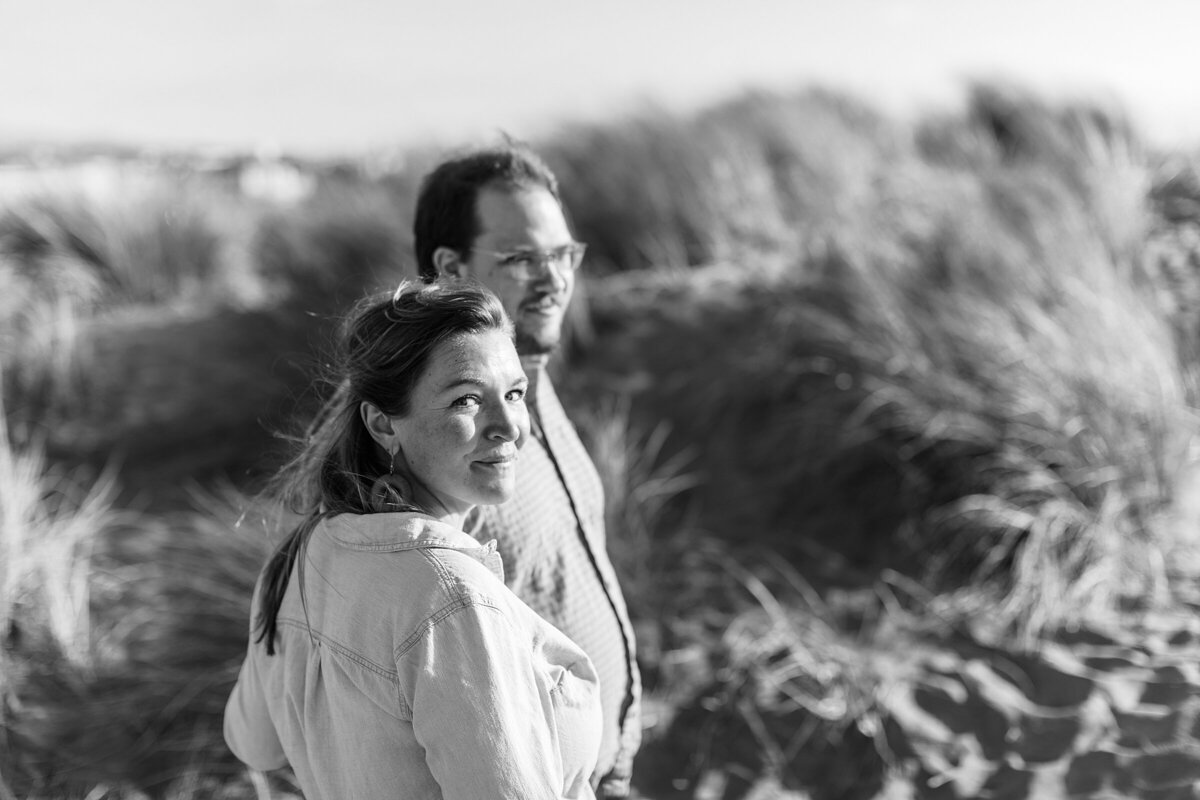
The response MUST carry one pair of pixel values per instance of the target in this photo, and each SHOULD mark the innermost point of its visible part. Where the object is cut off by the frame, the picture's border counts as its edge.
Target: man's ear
(378, 424)
(448, 263)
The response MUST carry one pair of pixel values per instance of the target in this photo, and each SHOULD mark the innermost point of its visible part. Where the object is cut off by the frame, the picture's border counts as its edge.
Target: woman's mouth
(498, 460)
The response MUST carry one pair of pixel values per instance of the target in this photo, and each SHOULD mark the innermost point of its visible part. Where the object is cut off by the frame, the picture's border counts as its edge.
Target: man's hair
(446, 205)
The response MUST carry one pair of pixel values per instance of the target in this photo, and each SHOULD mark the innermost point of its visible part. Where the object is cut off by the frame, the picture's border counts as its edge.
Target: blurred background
(885, 348)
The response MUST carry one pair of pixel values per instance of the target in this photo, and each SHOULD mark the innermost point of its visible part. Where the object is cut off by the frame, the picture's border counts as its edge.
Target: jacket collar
(393, 532)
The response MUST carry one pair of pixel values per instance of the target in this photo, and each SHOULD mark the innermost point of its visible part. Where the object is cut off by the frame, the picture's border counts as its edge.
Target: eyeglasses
(526, 265)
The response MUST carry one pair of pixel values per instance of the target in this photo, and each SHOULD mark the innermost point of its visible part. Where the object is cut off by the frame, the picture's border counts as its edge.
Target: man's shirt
(551, 537)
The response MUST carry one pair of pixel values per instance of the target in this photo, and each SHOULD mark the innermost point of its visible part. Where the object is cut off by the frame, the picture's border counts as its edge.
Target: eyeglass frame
(565, 259)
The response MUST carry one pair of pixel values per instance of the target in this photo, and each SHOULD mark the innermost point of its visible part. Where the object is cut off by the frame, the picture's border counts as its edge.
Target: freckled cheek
(460, 431)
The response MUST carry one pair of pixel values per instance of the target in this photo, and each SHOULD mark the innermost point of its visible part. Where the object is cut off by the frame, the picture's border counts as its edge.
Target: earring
(391, 492)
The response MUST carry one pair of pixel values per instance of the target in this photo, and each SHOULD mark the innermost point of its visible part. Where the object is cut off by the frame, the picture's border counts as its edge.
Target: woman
(386, 657)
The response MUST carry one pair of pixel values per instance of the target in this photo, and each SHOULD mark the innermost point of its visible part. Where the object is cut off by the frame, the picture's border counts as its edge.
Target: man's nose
(553, 273)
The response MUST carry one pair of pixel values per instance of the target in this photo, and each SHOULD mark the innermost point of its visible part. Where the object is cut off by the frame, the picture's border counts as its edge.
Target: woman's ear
(378, 424)
(448, 263)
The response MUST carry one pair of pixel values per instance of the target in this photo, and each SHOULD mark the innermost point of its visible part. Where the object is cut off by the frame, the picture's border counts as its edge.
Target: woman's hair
(382, 350)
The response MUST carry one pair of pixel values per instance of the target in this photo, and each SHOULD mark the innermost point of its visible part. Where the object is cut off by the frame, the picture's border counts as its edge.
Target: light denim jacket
(411, 671)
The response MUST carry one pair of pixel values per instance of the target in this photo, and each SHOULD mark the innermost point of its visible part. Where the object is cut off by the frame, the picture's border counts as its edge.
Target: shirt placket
(544, 422)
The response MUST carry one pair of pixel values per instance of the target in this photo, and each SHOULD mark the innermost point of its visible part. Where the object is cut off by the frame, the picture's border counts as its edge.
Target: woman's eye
(466, 401)
(516, 394)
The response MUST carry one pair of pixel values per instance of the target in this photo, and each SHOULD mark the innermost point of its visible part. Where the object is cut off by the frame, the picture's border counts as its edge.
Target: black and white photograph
(660, 400)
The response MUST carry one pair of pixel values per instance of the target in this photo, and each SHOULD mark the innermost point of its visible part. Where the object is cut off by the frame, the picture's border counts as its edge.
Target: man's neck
(535, 371)
(535, 368)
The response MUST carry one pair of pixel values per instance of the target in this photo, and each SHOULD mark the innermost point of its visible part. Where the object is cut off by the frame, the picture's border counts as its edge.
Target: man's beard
(536, 344)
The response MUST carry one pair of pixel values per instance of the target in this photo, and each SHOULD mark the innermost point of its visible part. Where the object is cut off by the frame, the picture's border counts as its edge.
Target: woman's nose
(511, 422)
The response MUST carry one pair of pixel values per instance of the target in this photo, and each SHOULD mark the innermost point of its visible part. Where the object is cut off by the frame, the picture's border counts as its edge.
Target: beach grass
(840, 375)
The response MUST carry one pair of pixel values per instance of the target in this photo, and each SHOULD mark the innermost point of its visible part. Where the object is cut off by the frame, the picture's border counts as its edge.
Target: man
(495, 216)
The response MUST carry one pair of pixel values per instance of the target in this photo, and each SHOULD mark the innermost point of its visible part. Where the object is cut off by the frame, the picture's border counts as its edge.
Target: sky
(321, 77)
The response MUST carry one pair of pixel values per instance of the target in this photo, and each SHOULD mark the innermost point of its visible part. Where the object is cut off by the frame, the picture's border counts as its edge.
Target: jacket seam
(341, 649)
(398, 547)
(433, 620)
(446, 579)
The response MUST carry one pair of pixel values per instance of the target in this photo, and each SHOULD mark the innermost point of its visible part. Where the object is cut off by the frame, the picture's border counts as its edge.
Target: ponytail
(275, 577)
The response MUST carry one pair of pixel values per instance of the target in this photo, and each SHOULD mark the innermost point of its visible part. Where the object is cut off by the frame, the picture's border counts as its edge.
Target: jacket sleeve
(482, 710)
(249, 731)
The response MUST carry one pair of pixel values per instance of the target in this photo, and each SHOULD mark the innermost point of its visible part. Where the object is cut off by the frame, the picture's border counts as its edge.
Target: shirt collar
(535, 371)
(393, 532)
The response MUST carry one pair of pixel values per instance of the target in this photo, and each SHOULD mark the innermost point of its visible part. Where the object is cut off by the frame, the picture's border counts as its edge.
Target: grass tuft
(140, 709)
(992, 397)
(645, 492)
(341, 242)
(49, 524)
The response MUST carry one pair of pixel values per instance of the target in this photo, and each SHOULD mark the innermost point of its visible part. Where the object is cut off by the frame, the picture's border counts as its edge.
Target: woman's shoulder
(468, 574)
(410, 555)
(369, 590)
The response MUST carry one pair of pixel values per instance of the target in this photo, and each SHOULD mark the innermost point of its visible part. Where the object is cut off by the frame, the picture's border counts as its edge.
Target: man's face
(520, 221)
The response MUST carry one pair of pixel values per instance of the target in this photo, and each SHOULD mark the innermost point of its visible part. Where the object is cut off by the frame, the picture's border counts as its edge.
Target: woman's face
(465, 423)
